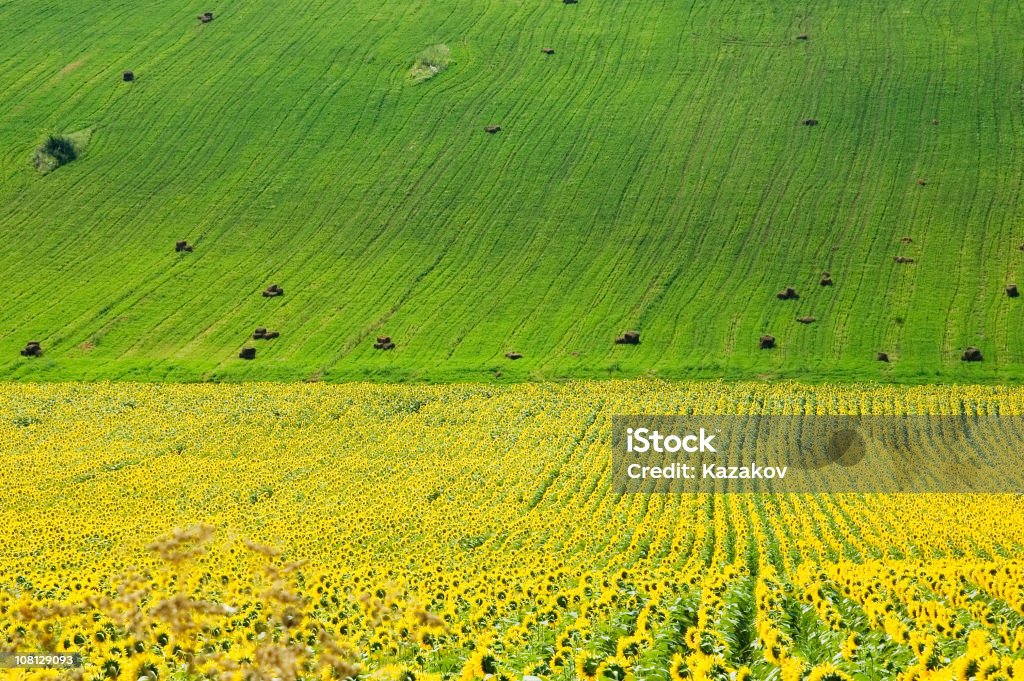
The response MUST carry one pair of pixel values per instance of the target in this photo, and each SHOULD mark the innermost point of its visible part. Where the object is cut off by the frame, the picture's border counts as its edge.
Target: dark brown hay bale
(825, 281)
(788, 293)
(972, 354)
(906, 240)
(205, 17)
(569, 2)
(547, 50)
(383, 339)
(271, 335)
(901, 260)
(273, 291)
(806, 320)
(128, 76)
(378, 346)
(766, 342)
(388, 346)
(1011, 290)
(921, 181)
(628, 338)
(180, 246)
(810, 121)
(247, 353)
(882, 357)
(32, 349)
(260, 332)
(492, 129)
(803, 36)
(514, 355)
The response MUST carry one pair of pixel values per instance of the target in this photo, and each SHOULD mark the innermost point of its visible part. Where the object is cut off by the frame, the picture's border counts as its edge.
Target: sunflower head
(677, 669)
(587, 665)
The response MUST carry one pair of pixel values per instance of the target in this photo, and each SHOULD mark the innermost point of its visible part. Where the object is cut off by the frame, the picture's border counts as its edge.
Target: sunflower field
(462, 532)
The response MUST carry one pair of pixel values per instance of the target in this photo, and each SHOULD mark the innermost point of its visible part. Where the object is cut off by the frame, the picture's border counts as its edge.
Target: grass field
(652, 173)
(451, 532)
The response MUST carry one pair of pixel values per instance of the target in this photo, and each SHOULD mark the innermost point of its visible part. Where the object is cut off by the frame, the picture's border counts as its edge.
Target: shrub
(56, 151)
(430, 62)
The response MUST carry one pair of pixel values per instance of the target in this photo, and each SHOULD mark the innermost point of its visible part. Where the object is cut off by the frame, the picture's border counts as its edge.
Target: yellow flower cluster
(398, 533)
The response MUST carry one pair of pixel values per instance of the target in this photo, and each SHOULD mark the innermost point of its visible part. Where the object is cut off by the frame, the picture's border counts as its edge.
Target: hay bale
(810, 122)
(901, 260)
(32, 349)
(247, 353)
(882, 357)
(806, 320)
(825, 280)
(906, 240)
(766, 342)
(788, 293)
(514, 355)
(259, 333)
(921, 181)
(182, 247)
(1011, 290)
(935, 121)
(492, 129)
(547, 50)
(271, 335)
(628, 338)
(205, 17)
(569, 2)
(803, 36)
(383, 339)
(972, 354)
(273, 291)
(128, 76)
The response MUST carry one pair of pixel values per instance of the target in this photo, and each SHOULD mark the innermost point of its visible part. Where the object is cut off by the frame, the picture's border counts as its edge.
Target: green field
(651, 174)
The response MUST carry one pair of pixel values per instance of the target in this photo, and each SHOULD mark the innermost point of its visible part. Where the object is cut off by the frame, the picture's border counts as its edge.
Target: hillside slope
(652, 174)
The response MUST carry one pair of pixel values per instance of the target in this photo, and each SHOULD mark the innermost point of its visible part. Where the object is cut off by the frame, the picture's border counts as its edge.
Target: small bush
(61, 148)
(430, 62)
(56, 151)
